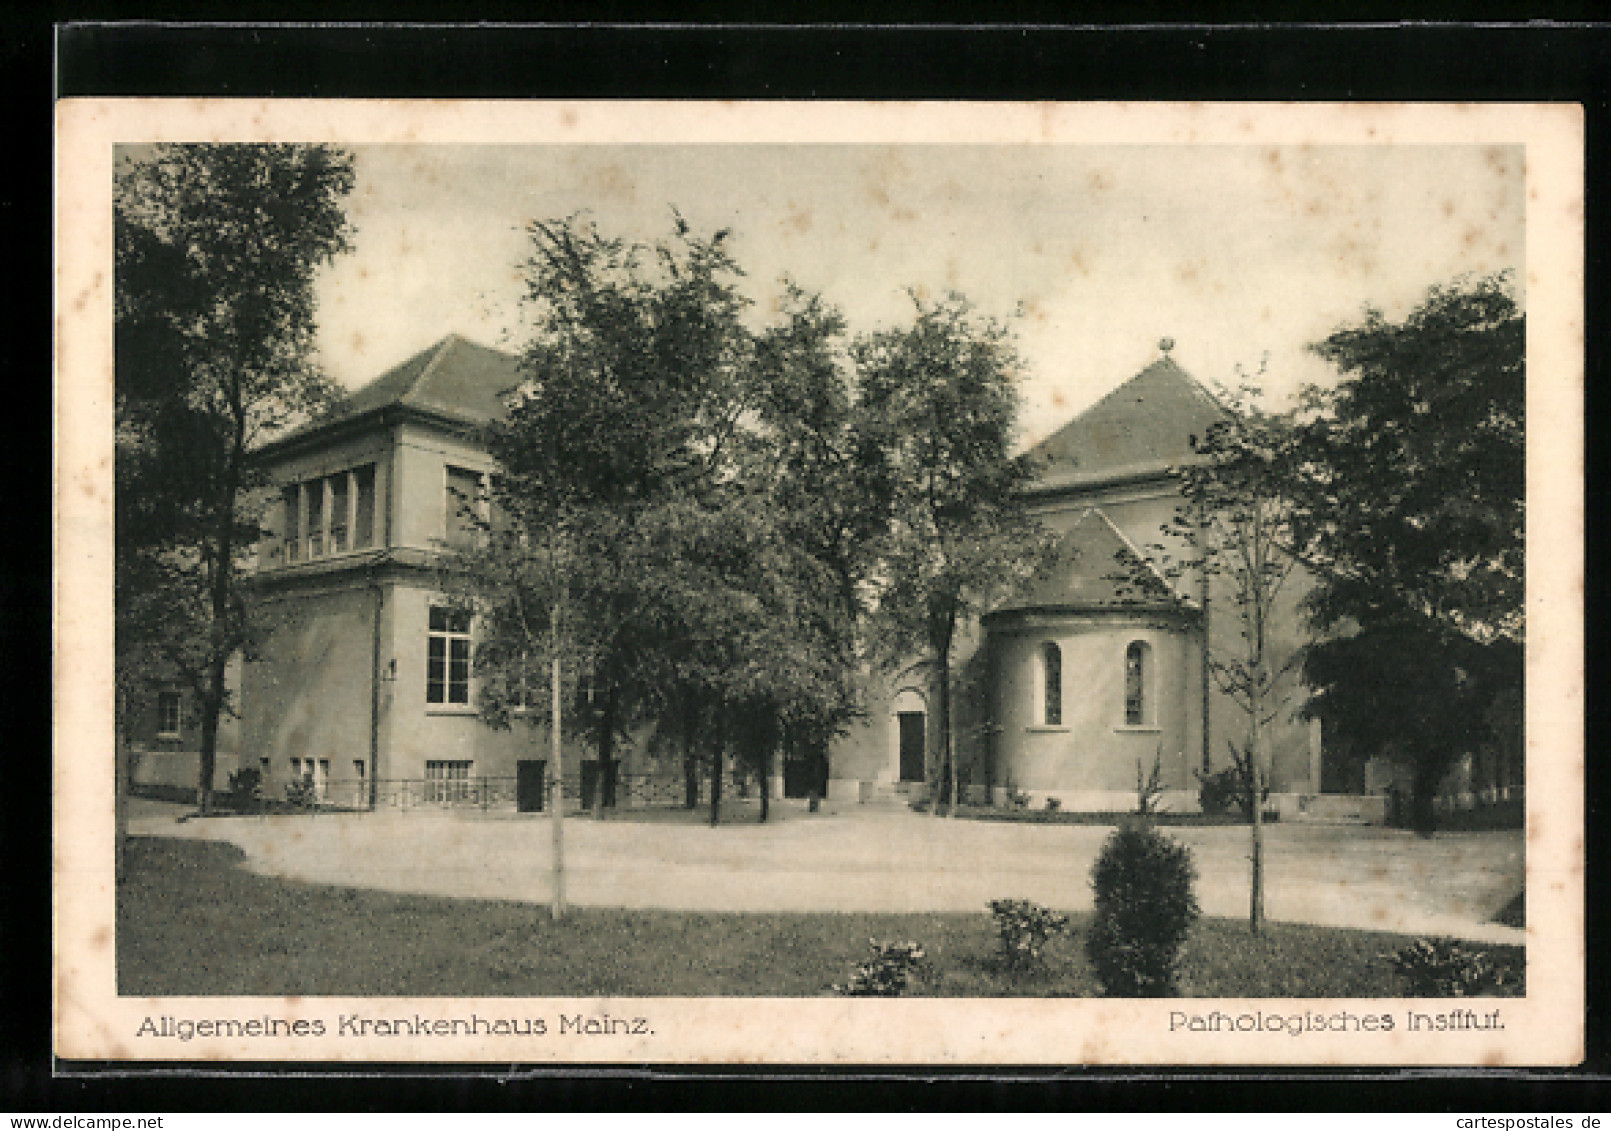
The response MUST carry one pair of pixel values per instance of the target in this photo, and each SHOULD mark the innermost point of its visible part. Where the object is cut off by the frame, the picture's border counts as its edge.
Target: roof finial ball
(1166, 344)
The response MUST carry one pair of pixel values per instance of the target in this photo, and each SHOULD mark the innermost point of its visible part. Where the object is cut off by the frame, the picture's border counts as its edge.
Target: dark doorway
(912, 743)
(805, 777)
(529, 777)
(593, 781)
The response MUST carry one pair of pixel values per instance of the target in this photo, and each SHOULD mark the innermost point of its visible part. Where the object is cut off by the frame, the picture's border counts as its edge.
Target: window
(463, 506)
(447, 782)
(330, 515)
(1051, 666)
(293, 522)
(313, 773)
(1137, 676)
(338, 513)
(167, 714)
(447, 657)
(363, 534)
(314, 496)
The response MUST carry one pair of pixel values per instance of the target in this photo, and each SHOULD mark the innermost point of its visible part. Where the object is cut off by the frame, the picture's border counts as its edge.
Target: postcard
(839, 584)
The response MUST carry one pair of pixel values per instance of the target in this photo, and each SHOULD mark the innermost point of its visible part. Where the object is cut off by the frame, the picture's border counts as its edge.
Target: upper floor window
(1137, 681)
(167, 714)
(333, 514)
(447, 657)
(1051, 666)
(463, 506)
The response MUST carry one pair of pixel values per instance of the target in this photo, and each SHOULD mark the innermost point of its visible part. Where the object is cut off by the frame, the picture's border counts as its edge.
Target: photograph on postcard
(1017, 587)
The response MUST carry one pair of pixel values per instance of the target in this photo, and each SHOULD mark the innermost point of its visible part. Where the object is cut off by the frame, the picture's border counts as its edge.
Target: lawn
(191, 922)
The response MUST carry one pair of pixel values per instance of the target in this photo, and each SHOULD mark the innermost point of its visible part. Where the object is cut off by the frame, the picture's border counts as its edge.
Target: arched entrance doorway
(910, 734)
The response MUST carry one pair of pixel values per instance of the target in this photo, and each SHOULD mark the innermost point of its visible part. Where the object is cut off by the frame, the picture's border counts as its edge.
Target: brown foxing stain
(1187, 272)
(1447, 208)
(1077, 259)
(796, 219)
(1471, 236)
(1099, 182)
(1494, 1058)
(567, 118)
(101, 938)
(1057, 399)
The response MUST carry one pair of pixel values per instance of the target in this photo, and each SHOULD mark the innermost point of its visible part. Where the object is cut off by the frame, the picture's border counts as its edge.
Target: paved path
(858, 860)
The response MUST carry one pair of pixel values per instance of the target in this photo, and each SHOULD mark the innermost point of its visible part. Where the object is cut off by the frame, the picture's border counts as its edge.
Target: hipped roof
(1144, 426)
(1096, 568)
(455, 380)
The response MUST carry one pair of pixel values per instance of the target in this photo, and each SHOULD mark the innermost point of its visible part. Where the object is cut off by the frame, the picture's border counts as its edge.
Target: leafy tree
(940, 404)
(707, 589)
(630, 404)
(1236, 525)
(1413, 483)
(216, 247)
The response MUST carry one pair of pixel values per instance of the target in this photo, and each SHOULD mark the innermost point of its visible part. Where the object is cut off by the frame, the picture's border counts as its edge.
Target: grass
(190, 921)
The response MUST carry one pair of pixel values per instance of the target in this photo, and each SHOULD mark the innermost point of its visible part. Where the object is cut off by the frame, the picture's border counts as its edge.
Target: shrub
(1025, 929)
(1446, 968)
(892, 968)
(1017, 798)
(1145, 907)
(301, 794)
(243, 793)
(1220, 792)
(1053, 804)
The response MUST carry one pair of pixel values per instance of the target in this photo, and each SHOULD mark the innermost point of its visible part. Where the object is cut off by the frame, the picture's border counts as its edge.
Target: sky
(1091, 254)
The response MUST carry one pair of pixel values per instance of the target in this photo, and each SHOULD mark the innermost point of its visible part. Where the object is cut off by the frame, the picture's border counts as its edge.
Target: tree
(629, 402)
(1237, 524)
(1413, 484)
(699, 593)
(216, 247)
(940, 404)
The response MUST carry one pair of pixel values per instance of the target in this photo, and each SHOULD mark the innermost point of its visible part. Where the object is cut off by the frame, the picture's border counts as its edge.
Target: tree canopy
(941, 401)
(216, 247)
(1413, 483)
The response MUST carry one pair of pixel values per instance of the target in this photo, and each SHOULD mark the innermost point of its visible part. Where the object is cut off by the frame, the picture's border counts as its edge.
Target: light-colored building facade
(360, 686)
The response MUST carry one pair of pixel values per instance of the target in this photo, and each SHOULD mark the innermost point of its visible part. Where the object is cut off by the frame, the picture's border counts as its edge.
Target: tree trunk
(606, 748)
(211, 708)
(717, 760)
(690, 757)
(1255, 911)
(766, 784)
(1424, 781)
(943, 764)
(556, 756)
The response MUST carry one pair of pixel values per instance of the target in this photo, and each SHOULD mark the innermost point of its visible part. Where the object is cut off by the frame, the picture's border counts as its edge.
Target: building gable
(1144, 426)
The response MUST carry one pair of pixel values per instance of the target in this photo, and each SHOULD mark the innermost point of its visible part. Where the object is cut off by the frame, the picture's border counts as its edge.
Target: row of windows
(1138, 679)
(335, 514)
(330, 515)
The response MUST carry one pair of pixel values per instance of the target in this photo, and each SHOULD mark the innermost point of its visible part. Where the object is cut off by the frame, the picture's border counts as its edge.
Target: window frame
(447, 781)
(450, 636)
(478, 503)
(1139, 680)
(1051, 684)
(164, 700)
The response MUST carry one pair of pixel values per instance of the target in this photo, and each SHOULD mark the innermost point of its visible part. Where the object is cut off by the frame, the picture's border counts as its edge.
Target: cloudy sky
(1093, 252)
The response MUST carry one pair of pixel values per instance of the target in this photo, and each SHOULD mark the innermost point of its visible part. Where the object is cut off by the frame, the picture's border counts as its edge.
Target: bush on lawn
(1024, 930)
(243, 795)
(1145, 907)
(893, 967)
(1446, 968)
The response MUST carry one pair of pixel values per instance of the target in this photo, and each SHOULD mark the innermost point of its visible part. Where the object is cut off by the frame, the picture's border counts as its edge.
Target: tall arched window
(1137, 661)
(1051, 666)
